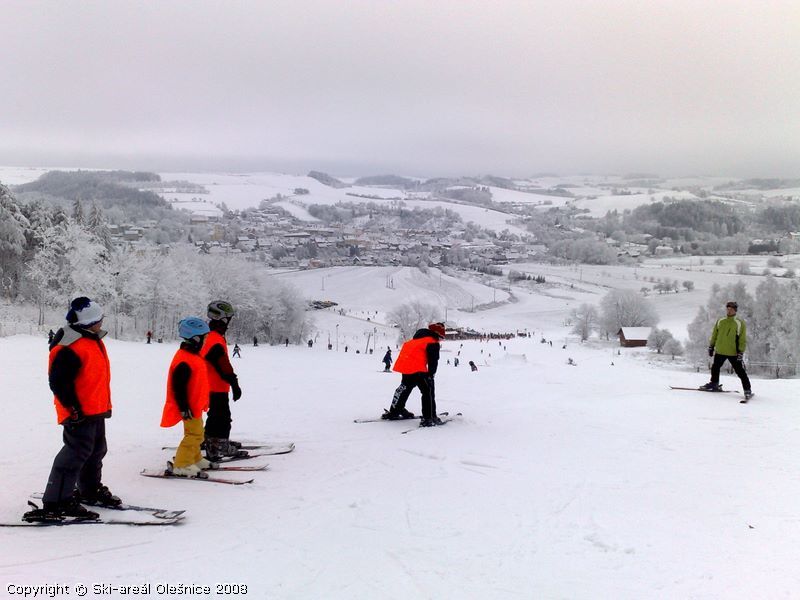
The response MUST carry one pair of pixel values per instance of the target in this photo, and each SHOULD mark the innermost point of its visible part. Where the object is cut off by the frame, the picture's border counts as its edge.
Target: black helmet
(732, 305)
(220, 309)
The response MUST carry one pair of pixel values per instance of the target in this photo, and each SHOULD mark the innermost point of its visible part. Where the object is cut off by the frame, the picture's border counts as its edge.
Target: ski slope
(587, 481)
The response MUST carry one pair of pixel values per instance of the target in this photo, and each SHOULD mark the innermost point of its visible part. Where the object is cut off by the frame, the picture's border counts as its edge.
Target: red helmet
(438, 329)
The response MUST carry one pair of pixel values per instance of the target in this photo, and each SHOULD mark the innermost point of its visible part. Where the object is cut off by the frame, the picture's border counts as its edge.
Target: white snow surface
(587, 481)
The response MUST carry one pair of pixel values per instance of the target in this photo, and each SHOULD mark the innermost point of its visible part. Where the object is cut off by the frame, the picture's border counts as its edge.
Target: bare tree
(412, 316)
(658, 339)
(585, 318)
(625, 308)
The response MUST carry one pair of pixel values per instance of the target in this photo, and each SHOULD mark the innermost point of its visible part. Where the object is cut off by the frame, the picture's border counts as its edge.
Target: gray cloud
(444, 87)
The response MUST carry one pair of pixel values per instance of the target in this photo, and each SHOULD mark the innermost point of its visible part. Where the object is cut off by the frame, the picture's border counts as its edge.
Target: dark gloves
(711, 350)
(237, 391)
(740, 356)
(187, 414)
(75, 416)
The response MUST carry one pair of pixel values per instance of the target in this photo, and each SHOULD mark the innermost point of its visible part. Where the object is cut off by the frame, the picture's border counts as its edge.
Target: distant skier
(50, 336)
(387, 360)
(728, 342)
(237, 351)
(255, 342)
(417, 362)
(221, 380)
(149, 336)
(80, 377)
(473, 366)
(187, 399)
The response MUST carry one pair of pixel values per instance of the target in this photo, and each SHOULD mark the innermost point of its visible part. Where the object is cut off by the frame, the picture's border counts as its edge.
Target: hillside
(559, 480)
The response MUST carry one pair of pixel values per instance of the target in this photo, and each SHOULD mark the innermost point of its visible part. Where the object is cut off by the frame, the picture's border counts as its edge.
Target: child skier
(221, 379)
(187, 399)
(417, 362)
(80, 378)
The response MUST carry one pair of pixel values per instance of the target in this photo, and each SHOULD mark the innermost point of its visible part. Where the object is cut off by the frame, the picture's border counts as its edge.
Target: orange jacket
(215, 382)
(93, 380)
(197, 390)
(413, 357)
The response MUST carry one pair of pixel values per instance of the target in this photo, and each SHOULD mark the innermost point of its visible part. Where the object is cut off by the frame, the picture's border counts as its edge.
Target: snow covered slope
(560, 481)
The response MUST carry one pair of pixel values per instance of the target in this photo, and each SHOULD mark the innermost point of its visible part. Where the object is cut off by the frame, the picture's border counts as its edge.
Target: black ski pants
(218, 422)
(738, 368)
(79, 463)
(424, 381)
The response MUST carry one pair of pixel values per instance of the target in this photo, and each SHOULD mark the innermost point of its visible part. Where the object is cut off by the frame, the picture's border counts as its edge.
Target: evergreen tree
(77, 212)
(13, 226)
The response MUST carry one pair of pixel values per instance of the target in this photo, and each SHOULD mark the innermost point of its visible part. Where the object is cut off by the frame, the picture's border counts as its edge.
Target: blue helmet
(191, 327)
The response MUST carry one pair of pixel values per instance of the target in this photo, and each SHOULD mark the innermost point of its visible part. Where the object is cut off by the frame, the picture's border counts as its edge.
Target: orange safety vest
(215, 382)
(93, 382)
(413, 357)
(197, 391)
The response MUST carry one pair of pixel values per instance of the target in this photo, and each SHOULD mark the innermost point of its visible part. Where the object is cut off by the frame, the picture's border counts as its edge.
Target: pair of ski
(260, 450)
(691, 389)
(444, 417)
(147, 516)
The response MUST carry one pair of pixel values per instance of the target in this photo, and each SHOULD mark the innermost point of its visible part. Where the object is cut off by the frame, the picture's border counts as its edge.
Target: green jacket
(729, 336)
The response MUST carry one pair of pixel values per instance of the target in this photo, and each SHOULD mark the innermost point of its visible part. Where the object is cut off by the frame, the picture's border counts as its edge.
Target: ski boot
(748, 394)
(432, 422)
(102, 496)
(397, 415)
(53, 512)
(710, 387)
(219, 448)
(188, 471)
(207, 465)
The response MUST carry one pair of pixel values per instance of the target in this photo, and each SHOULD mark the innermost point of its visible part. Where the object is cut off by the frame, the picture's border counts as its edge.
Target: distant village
(273, 236)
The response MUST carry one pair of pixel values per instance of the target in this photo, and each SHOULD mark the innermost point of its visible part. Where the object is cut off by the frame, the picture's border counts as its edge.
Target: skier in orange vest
(80, 378)
(417, 362)
(187, 399)
(221, 380)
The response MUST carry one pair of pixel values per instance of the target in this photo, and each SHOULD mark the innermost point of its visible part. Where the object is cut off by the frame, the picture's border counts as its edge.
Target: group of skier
(199, 380)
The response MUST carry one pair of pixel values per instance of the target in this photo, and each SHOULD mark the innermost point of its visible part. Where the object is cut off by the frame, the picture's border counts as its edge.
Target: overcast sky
(428, 87)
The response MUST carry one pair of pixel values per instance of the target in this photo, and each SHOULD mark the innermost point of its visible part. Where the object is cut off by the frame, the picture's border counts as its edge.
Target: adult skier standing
(188, 398)
(221, 380)
(80, 377)
(417, 362)
(728, 342)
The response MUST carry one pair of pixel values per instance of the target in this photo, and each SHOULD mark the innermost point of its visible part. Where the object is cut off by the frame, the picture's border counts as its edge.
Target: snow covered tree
(585, 318)
(658, 339)
(673, 347)
(412, 316)
(625, 308)
(97, 226)
(13, 225)
(77, 212)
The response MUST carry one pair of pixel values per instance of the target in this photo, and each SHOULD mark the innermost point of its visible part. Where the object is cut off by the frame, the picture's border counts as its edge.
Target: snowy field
(587, 481)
